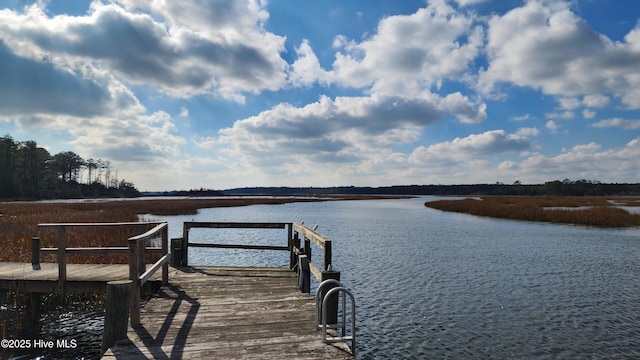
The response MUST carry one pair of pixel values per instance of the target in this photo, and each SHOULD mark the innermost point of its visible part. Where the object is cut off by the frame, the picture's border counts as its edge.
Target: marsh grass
(591, 211)
(19, 220)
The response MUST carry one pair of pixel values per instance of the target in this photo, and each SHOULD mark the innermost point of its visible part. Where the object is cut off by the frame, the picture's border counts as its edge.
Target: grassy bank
(592, 211)
(19, 220)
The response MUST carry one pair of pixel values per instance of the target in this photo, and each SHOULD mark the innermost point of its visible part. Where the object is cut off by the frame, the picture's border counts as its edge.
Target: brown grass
(19, 220)
(598, 211)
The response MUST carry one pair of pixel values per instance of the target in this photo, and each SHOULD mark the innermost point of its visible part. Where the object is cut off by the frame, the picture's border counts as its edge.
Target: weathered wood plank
(228, 313)
(15, 275)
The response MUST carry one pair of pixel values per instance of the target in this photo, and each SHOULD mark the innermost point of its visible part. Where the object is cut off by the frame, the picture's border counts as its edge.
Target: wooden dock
(80, 277)
(200, 312)
(228, 313)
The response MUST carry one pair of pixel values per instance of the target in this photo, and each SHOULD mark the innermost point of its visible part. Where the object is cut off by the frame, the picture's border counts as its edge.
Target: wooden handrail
(188, 225)
(324, 243)
(62, 249)
(137, 265)
(136, 249)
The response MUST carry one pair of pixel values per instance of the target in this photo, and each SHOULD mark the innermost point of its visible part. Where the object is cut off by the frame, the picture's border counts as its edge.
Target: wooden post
(134, 276)
(176, 252)
(142, 256)
(35, 253)
(185, 244)
(332, 301)
(62, 259)
(295, 245)
(304, 274)
(116, 318)
(307, 247)
(327, 255)
(165, 251)
(31, 319)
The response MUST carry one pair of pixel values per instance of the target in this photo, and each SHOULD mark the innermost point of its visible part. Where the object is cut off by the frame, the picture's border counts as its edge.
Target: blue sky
(220, 94)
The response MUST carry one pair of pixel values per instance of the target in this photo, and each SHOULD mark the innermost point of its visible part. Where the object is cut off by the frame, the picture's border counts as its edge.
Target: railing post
(290, 244)
(35, 253)
(176, 252)
(307, 247)
(142, 256)
(62, 259)
(134, 276)
(295, 245)
(185, 244)
(304, 274)
(165, 251)
(327, 255)
(332, 301)
(116, 318)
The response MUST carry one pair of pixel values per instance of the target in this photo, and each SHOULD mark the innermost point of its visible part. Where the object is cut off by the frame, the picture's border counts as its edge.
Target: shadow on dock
(227, 312)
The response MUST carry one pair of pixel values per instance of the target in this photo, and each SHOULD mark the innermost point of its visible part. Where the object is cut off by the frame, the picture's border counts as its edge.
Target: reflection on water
(430, 284)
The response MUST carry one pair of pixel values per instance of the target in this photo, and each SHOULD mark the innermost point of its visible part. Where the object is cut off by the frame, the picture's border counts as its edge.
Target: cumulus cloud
(546, 46)
(409, 53)
(596, 101)
(581, 161)
(618, 122)
(473, 146)
(306, 70)
(227, 57)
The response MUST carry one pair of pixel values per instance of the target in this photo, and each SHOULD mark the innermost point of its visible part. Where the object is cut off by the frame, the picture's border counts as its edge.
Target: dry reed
(591, 211)
(19, 220)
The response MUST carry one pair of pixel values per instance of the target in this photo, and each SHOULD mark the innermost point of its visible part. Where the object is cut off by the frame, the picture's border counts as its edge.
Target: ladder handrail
(320, 301)
(342, 325)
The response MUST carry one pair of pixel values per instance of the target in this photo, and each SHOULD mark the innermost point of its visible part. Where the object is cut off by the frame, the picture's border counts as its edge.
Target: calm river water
(430, 284)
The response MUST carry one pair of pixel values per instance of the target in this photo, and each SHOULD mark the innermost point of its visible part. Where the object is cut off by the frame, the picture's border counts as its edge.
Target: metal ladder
(342, 325)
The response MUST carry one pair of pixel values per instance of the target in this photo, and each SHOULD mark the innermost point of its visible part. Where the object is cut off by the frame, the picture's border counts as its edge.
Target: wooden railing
(183, 244)
(137, 265)
(297, 235)
(137, 248)
(304, 256)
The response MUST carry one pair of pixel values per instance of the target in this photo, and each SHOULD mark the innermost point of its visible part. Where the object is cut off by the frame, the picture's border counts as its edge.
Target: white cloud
(587, 161)
(552, 126)
(306, 70)
(588, 114)
(179, 49)
(544, 45)
(565, 115)
(618, 122)
(569, 103)
(596, 101)
(471, 147)
(410, 53)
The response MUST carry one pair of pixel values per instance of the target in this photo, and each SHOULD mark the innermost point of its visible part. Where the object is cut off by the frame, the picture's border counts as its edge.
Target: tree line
(28, 171)
(564, 187)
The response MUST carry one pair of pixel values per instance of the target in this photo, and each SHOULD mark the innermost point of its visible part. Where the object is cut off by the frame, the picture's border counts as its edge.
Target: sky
(222, 94)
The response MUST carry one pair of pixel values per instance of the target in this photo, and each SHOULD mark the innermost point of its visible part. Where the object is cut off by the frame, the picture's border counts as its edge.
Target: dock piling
(116, 318)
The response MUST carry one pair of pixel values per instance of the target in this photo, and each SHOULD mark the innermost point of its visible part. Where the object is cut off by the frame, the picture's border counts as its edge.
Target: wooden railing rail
(187, 226)
(137, 265)
(62, 250)
(303, 256)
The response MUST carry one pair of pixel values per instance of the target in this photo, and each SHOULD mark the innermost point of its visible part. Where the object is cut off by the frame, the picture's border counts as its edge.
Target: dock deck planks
(80, 277)
(228, 313)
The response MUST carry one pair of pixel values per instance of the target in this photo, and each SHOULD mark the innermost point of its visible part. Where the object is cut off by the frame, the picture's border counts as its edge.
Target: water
(430, 284)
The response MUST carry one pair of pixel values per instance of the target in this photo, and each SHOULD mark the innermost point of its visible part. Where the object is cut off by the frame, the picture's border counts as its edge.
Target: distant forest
(550, 188)
(28, 171)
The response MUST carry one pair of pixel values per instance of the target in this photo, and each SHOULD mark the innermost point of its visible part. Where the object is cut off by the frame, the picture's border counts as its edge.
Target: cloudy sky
(222, 94)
